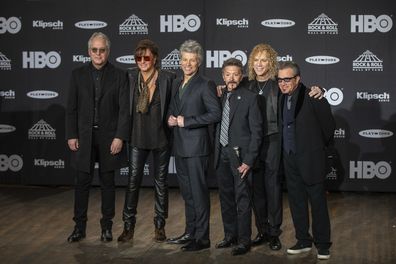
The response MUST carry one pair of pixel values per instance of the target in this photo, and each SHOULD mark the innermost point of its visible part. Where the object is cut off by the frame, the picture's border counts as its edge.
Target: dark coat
(200, 107)
(245, 130)
(113, 116)
(314, 129)
(165, 79)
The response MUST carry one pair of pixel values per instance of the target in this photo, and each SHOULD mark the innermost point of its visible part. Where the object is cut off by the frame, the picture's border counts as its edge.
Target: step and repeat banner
(346, 47)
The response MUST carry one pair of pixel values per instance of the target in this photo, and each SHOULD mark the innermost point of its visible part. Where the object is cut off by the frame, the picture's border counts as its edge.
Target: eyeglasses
(100, 50)
(144, 58)
(286, 80)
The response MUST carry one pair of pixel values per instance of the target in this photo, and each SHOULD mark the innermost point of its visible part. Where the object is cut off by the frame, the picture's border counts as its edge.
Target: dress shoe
(159, 234)
(274, 243)
(126, 235)
(259, 239)
(106, 236)
(76, 236)
(240, 249)
(196, 245)
(226, 242)
(183, 239)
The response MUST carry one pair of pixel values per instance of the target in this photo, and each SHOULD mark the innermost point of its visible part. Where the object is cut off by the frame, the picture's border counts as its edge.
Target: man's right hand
(220, 90)
(73, 144)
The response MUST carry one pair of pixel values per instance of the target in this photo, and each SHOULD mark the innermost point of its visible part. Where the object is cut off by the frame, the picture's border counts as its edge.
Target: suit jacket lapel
(274, 97)
(108, 79)
(300, 99)
(87, 78)
(234, 103)
(162, 89)
(132, 87)
(188, 91)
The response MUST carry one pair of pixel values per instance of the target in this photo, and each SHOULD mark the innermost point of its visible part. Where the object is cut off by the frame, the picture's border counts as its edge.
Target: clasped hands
(176, 121)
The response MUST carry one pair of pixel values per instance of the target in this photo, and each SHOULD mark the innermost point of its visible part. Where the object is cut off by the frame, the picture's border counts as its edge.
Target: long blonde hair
(272, 56)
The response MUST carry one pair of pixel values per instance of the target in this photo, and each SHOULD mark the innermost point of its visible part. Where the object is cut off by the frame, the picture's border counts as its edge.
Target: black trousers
(138, 159)
(82, 185)
(267, 188)
(235, 202)
(300, 194)
(191, 175)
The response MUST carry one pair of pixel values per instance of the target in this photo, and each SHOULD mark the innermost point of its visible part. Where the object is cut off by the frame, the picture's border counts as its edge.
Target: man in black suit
(194, 106)
(150, 93)
(306, 126)
(237, 146)
(97, 123)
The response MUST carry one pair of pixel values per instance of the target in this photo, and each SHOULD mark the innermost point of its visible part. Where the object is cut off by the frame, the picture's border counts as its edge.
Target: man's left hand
(116, 146)
(316, 92)
(243, 170)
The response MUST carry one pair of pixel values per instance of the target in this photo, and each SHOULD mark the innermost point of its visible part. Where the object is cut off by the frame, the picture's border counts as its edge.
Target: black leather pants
(159, 170)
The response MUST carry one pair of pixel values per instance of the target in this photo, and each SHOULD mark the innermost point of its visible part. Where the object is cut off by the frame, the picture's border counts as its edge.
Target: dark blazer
(314, 128)
(200, 107)
(165, 79)
(245, 130)
(113, 116)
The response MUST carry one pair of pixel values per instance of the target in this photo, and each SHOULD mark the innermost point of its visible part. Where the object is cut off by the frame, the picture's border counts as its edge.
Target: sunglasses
(286, 80)
(100, 50)
(144, 58)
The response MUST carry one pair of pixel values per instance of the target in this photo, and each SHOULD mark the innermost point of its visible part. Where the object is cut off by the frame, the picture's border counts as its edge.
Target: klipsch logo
(56, 164)
(284, 58)
(171, 61)
(10, 94)
(370, 23)
(369, 170)
(239, 23)
(90, 24)
(216, 58)
(55, 25)
(339, 133)
(322, 25)
(6, 128)
(5, 63)
(367, 62)
(133, 25)
(40, 59)
(322, 60)
(81, 58)
(11, 25)
(278, 23)
(179, 23)
(13, 162)
(380, 97)
(334, 96)
(41, 130)
(42, 94)
(376, 133)
(127, 59)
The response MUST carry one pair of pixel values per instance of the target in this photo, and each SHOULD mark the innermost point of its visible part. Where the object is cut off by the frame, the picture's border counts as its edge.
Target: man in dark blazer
(306, 126)
(97, 123)
(150, 93)
(194, 106)
(237, 146)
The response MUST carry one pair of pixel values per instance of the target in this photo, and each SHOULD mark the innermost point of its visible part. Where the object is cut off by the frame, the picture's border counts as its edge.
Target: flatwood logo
(322, 60)
(42, 94)
(4, 128)
(127, 59)
(376, 133)
(90, 24)
(278, 23)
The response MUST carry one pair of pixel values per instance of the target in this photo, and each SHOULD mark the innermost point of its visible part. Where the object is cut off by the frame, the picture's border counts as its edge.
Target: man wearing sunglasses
(149, 93)
(97, 123)
(306, 126)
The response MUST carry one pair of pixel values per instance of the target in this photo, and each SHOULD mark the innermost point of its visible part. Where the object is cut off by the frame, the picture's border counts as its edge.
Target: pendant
(261, 92)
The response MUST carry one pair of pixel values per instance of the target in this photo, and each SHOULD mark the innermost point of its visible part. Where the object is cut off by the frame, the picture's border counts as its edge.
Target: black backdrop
(345, 46)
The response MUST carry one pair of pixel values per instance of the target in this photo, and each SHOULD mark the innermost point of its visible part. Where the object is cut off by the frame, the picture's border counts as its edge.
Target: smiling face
(261, 64)
(232, 76)
(145, 60)
(98, 52)
(288, 80)
(189, 63)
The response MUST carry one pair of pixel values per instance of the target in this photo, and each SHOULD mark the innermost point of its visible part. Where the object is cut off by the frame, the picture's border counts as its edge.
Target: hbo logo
(13, 163)
(369, 170)
(12, 25)
(39, 60)
(178, 23)
(216, 58)
(369, 23)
